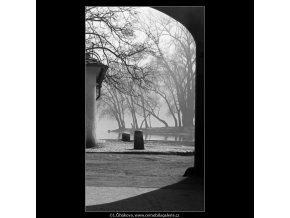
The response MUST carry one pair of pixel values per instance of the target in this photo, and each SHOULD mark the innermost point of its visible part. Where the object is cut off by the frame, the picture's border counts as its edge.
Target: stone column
(93, 72)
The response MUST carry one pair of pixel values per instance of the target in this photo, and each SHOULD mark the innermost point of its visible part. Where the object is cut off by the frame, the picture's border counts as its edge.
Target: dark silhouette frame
(193, 19)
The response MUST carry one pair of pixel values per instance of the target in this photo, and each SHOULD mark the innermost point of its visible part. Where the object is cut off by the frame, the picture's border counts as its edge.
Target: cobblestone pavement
(153, 147)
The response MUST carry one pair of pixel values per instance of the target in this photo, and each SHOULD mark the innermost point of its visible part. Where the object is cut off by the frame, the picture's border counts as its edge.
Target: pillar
(93, 72)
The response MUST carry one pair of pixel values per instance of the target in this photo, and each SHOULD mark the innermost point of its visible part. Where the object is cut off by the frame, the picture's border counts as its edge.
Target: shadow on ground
(185, 195)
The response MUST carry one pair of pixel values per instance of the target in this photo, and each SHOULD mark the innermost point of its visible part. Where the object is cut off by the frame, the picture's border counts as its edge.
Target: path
(151, 147)
(141, 182)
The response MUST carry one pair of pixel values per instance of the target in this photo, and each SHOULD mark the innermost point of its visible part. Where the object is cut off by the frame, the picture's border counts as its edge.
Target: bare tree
(111, 39)
(131, 104)
(178, 65)
(152, 106)
(131, 81)
(145, 114)
(113, 106)
(163, 88)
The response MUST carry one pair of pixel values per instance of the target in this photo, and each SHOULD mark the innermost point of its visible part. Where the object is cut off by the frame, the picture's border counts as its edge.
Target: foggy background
(150, 82)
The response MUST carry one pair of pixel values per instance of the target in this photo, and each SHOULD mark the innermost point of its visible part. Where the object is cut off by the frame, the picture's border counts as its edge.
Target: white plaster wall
(91, 74)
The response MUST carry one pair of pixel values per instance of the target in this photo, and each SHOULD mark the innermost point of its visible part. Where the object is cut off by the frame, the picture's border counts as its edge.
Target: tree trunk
(118, 121)
(161, 120)
(143, 121)
(134, 113)
(179, 119)
(187, 118)
(169, 107)
(123, 117)
(143, 109)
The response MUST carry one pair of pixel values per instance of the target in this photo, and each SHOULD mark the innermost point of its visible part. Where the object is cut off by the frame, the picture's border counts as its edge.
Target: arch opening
(153, 54)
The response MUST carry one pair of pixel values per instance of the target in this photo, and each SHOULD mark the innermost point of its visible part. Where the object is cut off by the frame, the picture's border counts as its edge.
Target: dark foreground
(139, 182)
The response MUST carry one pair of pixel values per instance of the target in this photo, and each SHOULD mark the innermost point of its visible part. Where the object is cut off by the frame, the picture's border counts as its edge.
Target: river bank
(173, 131)
(151, 147)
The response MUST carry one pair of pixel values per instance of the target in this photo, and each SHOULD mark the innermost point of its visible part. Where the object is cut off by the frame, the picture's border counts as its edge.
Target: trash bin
(125, 137)
(138, 140)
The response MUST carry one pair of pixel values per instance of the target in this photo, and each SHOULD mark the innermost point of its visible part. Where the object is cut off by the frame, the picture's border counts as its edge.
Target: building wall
(91, 74)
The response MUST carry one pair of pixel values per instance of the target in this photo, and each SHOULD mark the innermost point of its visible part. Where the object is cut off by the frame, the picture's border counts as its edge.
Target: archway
(193, 19)
(180, 15)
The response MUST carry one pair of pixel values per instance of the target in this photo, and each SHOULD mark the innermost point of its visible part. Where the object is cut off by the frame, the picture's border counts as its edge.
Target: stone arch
(193, 19)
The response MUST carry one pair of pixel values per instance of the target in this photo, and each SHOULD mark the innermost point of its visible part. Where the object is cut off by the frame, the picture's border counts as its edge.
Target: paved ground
(141, 182)
(151, 147)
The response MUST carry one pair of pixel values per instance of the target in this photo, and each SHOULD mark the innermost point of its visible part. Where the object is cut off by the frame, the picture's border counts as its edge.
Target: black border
(228, 109)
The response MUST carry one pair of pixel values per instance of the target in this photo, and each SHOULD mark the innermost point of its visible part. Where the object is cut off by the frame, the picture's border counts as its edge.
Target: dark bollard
(138, 140)
(125, 137)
